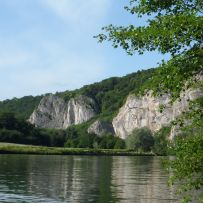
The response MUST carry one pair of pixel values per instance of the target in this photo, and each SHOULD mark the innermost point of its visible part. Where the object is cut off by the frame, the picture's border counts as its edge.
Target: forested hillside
(109, 94)
(22, 107)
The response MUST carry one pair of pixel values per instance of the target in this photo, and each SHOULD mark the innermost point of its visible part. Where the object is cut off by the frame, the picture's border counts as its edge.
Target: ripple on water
(85, 179)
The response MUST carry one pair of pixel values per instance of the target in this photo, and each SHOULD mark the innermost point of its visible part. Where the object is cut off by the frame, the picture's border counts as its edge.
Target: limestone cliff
(54, 112)
(101, 127)
(144, 111)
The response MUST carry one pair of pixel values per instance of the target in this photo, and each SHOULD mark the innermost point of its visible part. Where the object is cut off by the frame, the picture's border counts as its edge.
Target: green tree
(140, 140)
(72, 137)
(161, 141)
(175, 27)
(187, 167)
(12, 136)
(7, 120)
(188, 148)
(119, 144)
(86, 141)
(22, 108)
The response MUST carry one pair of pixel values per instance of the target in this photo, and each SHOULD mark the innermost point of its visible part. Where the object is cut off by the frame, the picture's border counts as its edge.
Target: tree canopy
(174, 26)
(140, 140)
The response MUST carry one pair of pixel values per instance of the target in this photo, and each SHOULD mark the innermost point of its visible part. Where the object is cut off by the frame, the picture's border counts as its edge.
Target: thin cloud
(48, 46)
(77, 12)
(68, 74)
(13, 59)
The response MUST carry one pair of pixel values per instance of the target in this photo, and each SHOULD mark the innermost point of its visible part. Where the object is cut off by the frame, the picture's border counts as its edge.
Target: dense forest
(15, 130)
(22, 107)
(110, 95)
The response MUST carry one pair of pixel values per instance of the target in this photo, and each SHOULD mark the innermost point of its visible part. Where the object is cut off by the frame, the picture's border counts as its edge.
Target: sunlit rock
(54, 112)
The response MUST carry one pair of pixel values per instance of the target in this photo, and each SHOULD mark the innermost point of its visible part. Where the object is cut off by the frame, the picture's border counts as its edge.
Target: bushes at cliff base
(140, 140)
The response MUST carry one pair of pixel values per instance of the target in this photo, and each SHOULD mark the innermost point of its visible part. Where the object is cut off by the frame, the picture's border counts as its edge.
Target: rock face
(101, 127)
(145, 112)
(54, 112)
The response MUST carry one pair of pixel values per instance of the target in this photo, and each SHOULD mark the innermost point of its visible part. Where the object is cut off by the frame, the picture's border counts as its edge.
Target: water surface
(83, 179)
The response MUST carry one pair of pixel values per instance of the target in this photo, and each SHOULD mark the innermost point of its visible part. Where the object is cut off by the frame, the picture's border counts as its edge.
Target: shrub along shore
(7, 148)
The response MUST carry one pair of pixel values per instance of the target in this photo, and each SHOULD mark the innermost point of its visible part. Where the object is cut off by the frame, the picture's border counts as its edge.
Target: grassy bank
(7, 148)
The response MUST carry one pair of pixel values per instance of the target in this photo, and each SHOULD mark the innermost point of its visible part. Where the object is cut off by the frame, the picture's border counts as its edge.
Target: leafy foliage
(187, 166)
(110, 94)
(79, 138)
(16, 130)
(161, 141)
(140, 140)
(188, 149)
(175, 27)
(22, 107)
(175, 76)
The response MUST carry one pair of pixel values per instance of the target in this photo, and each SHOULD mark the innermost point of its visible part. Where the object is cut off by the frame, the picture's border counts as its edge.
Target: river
(83, 179)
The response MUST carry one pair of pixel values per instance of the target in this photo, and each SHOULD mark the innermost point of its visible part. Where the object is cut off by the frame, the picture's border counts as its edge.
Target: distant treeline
(109, 94)
(22, 108)
(15, 130)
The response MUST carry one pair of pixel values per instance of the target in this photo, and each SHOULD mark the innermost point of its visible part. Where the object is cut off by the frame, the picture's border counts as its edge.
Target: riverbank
(8, 148)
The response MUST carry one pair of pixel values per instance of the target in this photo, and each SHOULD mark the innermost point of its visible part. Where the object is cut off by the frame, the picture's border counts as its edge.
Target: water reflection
(144, 180)
(83, 179)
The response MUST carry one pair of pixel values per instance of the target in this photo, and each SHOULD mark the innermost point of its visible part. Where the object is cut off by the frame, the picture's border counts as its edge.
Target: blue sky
(48, 45)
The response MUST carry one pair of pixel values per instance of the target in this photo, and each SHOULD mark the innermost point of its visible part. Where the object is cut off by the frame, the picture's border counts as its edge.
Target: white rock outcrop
(54, 112)
(101, 128)
(144, 111)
